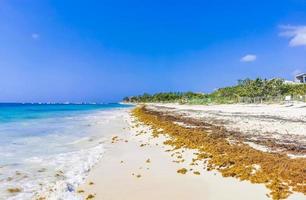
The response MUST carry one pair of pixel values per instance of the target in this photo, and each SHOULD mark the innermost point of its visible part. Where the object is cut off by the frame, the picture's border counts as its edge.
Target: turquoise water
(39, 141)
(10, 112)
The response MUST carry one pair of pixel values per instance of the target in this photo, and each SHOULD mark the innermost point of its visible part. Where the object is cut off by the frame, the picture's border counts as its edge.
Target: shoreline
(125, 173)
(62, 158)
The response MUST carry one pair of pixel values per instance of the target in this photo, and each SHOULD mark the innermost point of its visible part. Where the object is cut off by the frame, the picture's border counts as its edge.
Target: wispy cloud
(248, 58)
(35, 36)
(297, 35)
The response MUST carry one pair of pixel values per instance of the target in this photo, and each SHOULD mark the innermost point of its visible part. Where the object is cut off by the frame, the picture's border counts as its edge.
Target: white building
(290, 82)
(301, 78)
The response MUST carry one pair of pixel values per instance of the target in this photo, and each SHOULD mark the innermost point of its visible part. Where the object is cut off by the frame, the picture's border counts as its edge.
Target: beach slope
(139, 165)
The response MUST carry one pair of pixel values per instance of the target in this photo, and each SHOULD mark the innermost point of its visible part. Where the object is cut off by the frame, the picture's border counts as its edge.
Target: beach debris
(137, 176)
(182, 171)
(179, 161)
(175, 153)
(59, 174)
(14, 190)
(196, 173)
(91, 183)
(281, 174)
(90, 196)
(148, 160)
(115, 139)
(121, 161)
(80, 191)
(70, 187)
(140, 133)
(42, 170)
(193, 163)
(178, 156)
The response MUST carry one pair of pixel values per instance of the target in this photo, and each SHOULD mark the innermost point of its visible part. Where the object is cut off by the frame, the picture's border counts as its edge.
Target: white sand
(280, 121)
(113, 180)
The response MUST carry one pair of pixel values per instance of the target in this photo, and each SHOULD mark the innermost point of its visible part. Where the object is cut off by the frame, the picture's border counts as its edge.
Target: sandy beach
(284, 124)
(137, 165)
(152, 100)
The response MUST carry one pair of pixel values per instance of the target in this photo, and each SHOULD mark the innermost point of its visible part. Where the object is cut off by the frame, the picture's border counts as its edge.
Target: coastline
(111, 179)
(49, 155)
(139, 166)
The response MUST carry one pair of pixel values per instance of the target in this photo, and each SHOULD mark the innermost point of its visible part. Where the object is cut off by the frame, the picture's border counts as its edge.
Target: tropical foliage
(165, 97)
(247, 88)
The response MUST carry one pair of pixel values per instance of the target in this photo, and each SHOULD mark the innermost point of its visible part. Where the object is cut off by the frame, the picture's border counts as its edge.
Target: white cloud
(35, 36)
(297, 35)
(248, 58)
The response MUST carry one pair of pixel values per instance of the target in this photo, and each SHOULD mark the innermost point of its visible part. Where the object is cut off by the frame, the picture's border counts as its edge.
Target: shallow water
(49, 149)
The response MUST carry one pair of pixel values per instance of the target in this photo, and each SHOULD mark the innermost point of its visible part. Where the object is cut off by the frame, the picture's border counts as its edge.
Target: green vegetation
(165, 97)
(246, 90)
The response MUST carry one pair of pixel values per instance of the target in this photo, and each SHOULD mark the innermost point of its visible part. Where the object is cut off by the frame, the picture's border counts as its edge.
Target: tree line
(258, 87)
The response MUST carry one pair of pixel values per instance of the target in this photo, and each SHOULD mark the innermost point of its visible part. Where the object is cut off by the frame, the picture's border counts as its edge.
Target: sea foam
(50, 157)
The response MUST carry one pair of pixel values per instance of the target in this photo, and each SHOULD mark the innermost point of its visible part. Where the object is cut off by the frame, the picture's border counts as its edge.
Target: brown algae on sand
(90, 196)
(197, 173)
(281, 174)
(115, 139)
(137, 176)
(14, 190)
(182, 171)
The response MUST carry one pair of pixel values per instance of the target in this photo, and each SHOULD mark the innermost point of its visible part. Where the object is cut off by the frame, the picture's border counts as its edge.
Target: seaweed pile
(233, 158)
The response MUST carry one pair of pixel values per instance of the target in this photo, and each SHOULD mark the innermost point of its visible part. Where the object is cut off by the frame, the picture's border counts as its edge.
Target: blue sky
(55, 50)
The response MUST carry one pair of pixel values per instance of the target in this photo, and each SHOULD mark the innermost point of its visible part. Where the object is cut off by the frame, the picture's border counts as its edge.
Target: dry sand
(125, 174)
(250, 118)
(285, 124)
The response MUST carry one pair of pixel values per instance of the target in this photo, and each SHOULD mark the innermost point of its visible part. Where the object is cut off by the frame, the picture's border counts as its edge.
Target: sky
(103, 50)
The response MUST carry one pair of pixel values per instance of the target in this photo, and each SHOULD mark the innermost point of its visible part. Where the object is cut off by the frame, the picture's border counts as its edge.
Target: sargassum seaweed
(281, 175)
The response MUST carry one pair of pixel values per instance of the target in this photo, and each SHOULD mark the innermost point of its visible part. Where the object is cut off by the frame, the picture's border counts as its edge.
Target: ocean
(47, 150)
